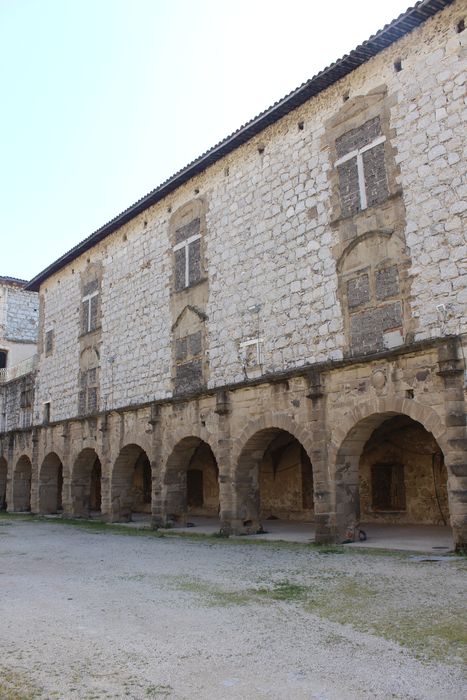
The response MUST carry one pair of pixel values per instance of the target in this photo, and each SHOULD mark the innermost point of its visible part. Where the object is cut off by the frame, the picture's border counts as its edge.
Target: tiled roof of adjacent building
(390, 33)
(14, 281)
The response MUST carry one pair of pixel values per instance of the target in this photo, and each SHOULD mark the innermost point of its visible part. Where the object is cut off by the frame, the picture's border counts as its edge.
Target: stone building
(279, 330)
(19, 315)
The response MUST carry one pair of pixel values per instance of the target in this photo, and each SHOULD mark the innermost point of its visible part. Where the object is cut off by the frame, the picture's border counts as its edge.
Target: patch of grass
(15, 686)
(283, 590)
(427, 639)
(211, 595)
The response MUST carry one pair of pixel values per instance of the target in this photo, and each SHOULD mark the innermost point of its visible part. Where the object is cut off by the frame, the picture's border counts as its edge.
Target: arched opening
(3, 481)
(22, 485)
(274, 481)
(51, 484)
(86, 484)
(191, 482)
(131, 484)
(390, 471)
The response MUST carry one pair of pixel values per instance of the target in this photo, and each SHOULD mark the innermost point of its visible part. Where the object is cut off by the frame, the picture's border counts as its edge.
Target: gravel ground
(103, 613)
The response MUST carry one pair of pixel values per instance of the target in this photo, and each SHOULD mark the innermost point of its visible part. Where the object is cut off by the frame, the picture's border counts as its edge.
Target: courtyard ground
(95, 611)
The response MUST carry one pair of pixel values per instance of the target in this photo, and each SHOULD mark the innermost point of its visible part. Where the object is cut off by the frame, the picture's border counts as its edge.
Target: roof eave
(392, 32)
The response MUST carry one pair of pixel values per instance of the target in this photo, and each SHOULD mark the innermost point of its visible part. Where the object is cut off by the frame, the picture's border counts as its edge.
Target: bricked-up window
(49, 342)
(87, 399)
(187, 255)
(387, 487)
(89, 307)
(361, 168)
(375, 312)
(189, 363)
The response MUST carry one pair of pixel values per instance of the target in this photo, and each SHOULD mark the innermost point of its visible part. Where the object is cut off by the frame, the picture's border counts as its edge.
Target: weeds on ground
(15, 686)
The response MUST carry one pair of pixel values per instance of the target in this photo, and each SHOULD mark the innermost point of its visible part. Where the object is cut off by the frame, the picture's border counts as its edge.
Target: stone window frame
(88, 395)
(186, 246)
(243, 352)
(189, 358)
(358, 155)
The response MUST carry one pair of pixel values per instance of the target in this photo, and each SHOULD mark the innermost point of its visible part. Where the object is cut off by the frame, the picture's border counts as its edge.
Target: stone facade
(19, 316)
(251, 331)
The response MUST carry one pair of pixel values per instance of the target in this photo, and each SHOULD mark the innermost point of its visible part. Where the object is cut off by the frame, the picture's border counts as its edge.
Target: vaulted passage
(51, 484)
(191, 484)
(131, 484)
(3, 480)
(274, 481)
(86, 484)
(402, 475)
(390, 470)
(22, 485)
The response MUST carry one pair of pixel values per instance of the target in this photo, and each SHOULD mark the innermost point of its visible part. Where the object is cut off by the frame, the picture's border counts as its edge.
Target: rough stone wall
(424, 478)
(429, 118)
(16, 403)
(22, 315)
(270, 246)
(332, 414)
(19, 314)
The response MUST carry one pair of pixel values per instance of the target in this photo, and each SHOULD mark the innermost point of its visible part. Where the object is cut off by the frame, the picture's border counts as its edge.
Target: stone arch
(192, 451)
(3, 482)
(272, 421)
(258, 437)
(86, 483)
(348, 443)
(131, 484)
(22, 478)
(51, 484)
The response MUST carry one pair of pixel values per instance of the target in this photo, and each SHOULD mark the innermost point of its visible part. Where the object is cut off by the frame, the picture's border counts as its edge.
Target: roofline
(392, 32)
(14, 281)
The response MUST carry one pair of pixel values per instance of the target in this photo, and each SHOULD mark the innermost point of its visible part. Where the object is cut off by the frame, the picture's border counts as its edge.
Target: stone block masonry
(307, 286)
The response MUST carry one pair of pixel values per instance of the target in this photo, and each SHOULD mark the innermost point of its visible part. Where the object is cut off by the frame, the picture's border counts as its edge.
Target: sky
(103, 100)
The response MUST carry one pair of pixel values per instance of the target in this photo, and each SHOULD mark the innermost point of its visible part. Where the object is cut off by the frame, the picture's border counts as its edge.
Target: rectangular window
(361, 168)
(88, 394)
(387, 487)
(46, 412)
(89, 312)
(49, 342)
(189, 367)
(187, 255)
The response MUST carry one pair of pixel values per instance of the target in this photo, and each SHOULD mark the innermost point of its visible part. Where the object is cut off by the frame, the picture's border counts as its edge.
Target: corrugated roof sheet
(392, 32)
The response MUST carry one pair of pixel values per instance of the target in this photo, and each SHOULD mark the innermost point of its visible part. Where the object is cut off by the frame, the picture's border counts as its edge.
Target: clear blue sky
(102, 100)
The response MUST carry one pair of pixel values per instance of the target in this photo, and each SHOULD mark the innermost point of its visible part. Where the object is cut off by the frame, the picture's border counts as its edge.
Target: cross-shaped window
(89, 312)
(187, 252)
(361, 168)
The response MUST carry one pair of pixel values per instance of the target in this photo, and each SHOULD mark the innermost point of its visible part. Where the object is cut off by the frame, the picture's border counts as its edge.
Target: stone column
(324, 506)
(451, 368)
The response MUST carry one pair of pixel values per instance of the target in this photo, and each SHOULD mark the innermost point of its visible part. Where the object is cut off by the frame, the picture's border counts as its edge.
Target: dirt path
(99, 614)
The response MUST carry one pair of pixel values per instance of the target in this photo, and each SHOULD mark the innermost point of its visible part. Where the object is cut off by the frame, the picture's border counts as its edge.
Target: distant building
(19, 318)
(278, 331)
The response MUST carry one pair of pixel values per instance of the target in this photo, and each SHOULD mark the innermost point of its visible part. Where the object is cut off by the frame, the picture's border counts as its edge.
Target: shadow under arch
(51, 484)
(396, 458)
(22, 478)
(131, 484)
(273, 478)
(190, 482)
(86, 484)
